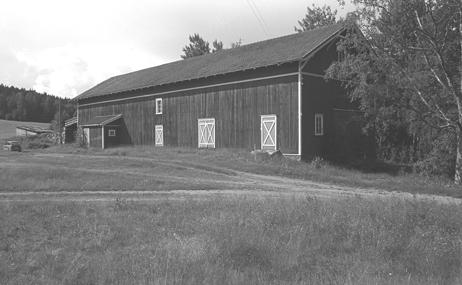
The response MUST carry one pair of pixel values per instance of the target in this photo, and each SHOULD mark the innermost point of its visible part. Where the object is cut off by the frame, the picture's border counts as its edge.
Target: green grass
(149, 168)
(8, 128)
(29, 172)
(242, 160)
(232, 241)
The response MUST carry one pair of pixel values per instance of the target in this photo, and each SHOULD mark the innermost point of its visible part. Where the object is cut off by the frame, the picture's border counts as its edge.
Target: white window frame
(319, 131)
(111, 132)
(209, 124)
(263, 119)
(159, 129)
(159, 106)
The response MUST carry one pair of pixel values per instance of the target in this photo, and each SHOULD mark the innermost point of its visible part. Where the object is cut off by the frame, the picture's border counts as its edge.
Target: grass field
(274, 225)
(231, 241)
(8, 128)
(148, 168)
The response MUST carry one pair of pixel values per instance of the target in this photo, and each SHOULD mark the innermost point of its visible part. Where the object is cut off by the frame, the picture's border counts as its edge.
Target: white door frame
(159, 131)
(206, 132)
(267, 141)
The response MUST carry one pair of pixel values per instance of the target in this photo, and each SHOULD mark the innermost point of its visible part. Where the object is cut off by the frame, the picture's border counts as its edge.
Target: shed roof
(34, 129)
(99, 121)
(70, 121)
(270, 52)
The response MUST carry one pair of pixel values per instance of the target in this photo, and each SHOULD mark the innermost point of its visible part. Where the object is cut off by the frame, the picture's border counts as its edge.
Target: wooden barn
(269, 95)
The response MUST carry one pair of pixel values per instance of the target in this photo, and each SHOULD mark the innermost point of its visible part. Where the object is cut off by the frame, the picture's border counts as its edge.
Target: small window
(159, 135)
(318, 124)
(158, 106)
(112, 133)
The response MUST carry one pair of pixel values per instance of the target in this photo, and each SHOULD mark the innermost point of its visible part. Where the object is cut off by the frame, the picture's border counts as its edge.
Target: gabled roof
(100, 121)
(260, 54)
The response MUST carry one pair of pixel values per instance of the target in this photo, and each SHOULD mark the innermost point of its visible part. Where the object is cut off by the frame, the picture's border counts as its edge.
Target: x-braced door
(268, 132)
(159, 135)
(206, 133)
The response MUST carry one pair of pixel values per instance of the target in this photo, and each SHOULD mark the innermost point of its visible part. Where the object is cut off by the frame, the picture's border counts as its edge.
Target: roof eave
(175, 82)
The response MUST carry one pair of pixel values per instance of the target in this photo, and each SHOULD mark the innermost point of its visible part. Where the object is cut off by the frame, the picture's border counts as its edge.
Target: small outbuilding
(25, 131)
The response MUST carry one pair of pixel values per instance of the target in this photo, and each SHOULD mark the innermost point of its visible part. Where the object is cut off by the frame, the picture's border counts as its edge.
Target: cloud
(69, 70)
(65, 47)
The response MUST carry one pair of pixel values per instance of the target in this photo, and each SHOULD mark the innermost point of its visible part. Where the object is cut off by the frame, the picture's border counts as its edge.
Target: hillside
(8, 128)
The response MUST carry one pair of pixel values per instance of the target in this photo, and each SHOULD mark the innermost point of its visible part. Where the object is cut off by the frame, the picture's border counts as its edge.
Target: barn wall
(323, 96)
(115, 140)
(236, 109)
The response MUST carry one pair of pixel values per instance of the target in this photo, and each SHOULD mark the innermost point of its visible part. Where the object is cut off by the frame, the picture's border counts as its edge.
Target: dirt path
(232, 183)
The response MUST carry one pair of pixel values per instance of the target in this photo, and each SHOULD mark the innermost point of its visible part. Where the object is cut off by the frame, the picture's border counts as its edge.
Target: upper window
(158, 106)
(111, 132)
(318, 124)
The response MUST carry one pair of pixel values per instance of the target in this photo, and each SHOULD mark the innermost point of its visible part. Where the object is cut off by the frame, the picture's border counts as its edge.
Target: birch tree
(408, 51)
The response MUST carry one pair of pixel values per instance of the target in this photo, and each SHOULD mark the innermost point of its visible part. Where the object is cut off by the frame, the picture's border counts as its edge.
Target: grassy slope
(8, 128)
(242, 241)
(244, 161)
(34, 173)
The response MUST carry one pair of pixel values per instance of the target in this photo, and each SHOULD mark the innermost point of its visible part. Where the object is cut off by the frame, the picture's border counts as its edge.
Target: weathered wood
(236, 109)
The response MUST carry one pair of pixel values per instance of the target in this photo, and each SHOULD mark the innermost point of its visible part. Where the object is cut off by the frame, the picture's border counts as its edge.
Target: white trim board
(192, 88)
(300, 82)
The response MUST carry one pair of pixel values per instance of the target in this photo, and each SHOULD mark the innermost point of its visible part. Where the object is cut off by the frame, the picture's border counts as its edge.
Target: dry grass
(234, 241)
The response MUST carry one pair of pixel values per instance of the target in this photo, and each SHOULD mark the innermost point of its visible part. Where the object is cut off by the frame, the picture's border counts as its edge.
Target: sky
(65, 47)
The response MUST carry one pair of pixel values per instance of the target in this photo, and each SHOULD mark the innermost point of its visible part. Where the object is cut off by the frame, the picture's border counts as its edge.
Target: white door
(206, 133)
(268, 132)
(159, 135)
(86, 134)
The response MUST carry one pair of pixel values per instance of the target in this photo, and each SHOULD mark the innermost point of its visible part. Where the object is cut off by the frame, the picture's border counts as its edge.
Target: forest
(19, 104)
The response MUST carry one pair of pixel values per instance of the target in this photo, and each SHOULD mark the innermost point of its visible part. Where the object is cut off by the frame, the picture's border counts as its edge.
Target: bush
(440, 161)
(41, 141)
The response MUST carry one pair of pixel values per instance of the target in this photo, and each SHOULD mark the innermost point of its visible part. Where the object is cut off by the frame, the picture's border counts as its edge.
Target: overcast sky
(65, 47)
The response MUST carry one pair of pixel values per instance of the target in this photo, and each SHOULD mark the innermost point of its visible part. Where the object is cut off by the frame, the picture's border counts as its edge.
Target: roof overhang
(70, 122)
(101, 121)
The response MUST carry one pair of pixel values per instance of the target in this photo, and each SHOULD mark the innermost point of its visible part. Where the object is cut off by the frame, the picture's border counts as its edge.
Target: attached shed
(269, 95)
(103, 131)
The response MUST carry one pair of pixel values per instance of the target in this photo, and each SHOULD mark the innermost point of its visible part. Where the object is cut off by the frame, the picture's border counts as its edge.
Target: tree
(236, 44)
(199, 46)
(317, 17)
(217, 46)
(28, 105)
(408, 61)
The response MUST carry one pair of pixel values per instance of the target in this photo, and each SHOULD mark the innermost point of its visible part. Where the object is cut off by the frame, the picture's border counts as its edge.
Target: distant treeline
(28, 105)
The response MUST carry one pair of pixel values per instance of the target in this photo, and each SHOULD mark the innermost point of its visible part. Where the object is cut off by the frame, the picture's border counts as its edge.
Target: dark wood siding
(236, 108)
(322, 96)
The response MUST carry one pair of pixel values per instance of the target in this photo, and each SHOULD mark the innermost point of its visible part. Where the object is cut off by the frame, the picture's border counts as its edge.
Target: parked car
(12, 146)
